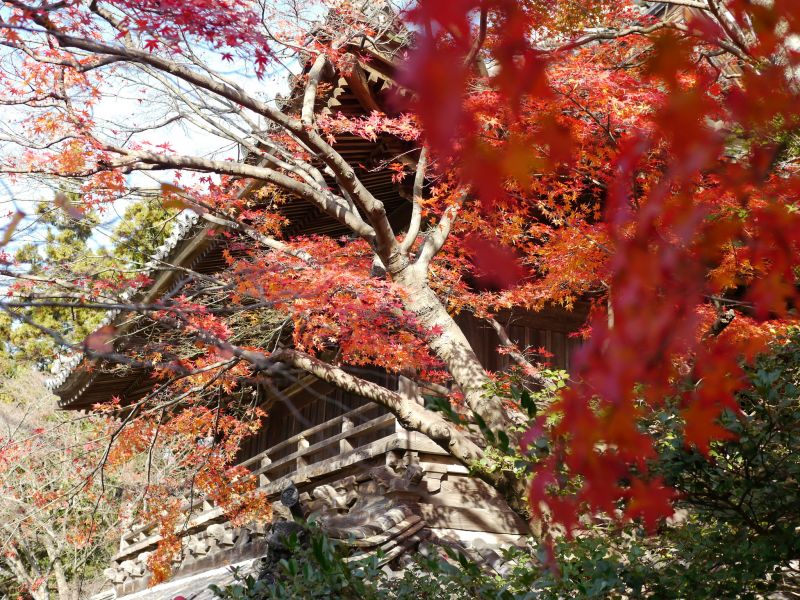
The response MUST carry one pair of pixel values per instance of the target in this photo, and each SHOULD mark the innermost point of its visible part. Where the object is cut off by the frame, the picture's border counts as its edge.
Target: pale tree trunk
(65, 590)
(26, 575)
(452, 438)
(452, 347)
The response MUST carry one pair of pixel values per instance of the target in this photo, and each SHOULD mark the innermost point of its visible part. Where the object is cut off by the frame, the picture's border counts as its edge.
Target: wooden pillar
(301, 461)
(262, 478)
(345, 445)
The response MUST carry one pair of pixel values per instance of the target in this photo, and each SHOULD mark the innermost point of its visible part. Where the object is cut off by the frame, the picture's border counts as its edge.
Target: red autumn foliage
(684, 222)
(582, 150)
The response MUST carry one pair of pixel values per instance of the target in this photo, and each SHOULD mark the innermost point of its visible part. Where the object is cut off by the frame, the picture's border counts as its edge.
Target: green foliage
(62, 251)
(143, 228)
(503, 454)
(322, 568)
(739, 509)
(696, 560)
(70, 250)
(752, 480)
(317, 568)
(744, 502)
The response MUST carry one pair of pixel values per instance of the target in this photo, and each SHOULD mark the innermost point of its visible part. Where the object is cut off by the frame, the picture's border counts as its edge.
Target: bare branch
(437, 235)
(730, 28)
(262, 239)
(531, 370)
(336, 207)
(318, 69)
(416, 208)
(385, 242)
(478, 43)
(411, 414)
(687, 3)
(612, 35)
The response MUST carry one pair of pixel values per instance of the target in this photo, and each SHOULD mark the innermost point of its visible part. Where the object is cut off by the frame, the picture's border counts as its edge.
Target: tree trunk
(65, 591)
(451, 346)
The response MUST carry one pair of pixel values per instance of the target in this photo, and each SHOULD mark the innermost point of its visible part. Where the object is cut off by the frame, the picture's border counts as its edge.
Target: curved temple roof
(65, 364)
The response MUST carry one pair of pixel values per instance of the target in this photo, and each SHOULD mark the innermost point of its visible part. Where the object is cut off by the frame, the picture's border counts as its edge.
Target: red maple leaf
(702, 426)
(651, 501)
(101, 341)
(496, 266)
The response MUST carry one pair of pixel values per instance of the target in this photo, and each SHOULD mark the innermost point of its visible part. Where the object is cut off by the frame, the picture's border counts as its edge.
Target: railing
(339, 448)
(338, 441)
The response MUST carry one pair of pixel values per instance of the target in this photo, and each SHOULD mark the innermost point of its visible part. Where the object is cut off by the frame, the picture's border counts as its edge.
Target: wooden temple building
(356, 470)
(353, 466)
(330, 454)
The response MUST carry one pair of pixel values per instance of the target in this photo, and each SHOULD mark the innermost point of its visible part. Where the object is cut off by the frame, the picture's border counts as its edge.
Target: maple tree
(67, 494)
(55, 533)
(688, 243)
(587, 151)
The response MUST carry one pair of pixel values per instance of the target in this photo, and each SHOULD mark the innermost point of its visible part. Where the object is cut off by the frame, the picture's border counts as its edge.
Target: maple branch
(478, 43)
(73, 291)
(114, 357)
(410, 414)
(109, 18)
(246, 138)
(640, 30)
(342, 170)
(730, 29)
(611, 35)
(47, 100)
(385, 242)
(262, 239)
(98, 62)
(416, 200)
(136, 307)
(436, 236)
(686, 3)
(381, 233)
(505, 340)
(327, 202)
(604, 126)
(33, 146)
(318, 69)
